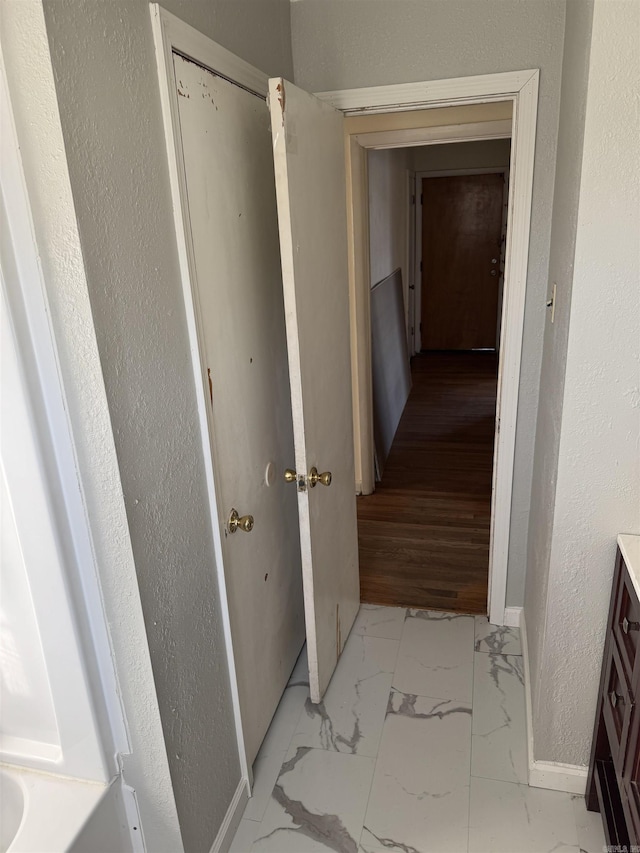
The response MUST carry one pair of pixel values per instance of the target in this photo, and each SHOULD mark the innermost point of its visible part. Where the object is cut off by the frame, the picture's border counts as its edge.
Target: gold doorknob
(314, 477)
(239, 522)
(290, 475)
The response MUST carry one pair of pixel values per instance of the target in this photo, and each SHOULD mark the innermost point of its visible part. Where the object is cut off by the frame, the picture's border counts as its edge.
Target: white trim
(447, 173)
(422, 136)
(546, 774)
(521, 88)
(410, 259)
(512, 617)
(173, 35)
(232, 819)
(455, 91)
(558, 777)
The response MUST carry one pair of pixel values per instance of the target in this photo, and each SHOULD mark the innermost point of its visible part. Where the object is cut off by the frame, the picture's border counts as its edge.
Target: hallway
(418, 746)
(424, 533)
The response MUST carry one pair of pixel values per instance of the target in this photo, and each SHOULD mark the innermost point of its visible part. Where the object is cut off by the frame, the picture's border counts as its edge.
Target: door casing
(520, 89)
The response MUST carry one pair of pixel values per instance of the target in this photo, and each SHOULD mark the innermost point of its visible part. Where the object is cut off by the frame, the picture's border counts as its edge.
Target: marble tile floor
(419, 746)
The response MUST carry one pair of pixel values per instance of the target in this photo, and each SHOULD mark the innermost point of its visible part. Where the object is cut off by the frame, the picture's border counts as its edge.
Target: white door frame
(412, 269)
(440, 173)
(173, 35)
(521, 89)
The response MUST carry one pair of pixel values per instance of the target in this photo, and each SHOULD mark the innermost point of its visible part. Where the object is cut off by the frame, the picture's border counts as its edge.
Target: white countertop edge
(629, 545)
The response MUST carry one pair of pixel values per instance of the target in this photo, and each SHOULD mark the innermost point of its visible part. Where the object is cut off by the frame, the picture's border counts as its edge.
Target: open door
(308, 150)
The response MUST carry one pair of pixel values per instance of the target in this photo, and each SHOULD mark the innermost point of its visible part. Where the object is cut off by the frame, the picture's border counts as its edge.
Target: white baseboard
(231, 819)
(558, 777)
(545, 774)
(512, 616)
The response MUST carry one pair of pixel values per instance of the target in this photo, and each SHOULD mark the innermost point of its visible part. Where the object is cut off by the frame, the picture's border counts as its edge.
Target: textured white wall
(340, 44)
(106, 80)
(575, 69)
(27, 61)
(597, 491)
(388, 214)
(484, 154)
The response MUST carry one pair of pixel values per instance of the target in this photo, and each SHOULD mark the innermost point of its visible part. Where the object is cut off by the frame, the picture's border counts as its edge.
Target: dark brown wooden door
(461, 235)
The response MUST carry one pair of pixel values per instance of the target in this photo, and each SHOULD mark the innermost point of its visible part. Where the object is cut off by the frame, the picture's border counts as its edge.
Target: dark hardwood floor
(424, 534)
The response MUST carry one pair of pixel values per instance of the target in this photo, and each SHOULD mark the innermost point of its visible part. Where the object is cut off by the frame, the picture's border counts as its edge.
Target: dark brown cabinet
(613, 785)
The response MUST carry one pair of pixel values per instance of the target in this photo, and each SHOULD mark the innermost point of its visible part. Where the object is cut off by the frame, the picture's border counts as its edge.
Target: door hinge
(421, 198)
(413, 199)
(420, 266)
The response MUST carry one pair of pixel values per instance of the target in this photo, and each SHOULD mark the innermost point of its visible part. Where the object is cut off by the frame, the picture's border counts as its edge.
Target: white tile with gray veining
(419, 746)
(436, 655)
(499, 736)
(245, 836)
(266, 767)
(496, 639)
(318, 803)
(351, 714)
(590, 832)
(509, 818)
(285, 719)
(420, 792)
(376, 621)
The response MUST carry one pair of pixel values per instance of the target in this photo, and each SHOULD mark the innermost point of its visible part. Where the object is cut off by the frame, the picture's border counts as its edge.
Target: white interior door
(228, 167)
(308, 149)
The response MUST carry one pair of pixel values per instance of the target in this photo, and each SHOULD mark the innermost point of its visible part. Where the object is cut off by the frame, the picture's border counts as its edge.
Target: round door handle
(239, 522)
(493, 272)
(315, 477)
(614, 698)
(630, 626)
(290, 476)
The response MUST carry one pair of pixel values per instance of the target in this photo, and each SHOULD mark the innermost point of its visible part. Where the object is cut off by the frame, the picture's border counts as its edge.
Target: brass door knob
(314, 477)
(290, 475)
(239, 522)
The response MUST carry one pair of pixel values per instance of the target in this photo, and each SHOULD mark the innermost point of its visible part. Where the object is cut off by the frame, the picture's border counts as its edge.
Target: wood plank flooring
(424, 534)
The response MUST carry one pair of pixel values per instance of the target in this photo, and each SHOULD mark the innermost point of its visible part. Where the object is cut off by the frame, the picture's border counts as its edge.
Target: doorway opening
(500, 106)
(440, 213)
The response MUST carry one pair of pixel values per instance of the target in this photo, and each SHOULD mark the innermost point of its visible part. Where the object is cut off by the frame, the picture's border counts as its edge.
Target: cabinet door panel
(616, 708)
(626, 621)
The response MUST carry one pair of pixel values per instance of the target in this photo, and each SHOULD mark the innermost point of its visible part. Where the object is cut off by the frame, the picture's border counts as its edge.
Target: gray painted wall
(104, 66)
(483, 154)
(388, 214)
(597, 476)
(339, 44)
